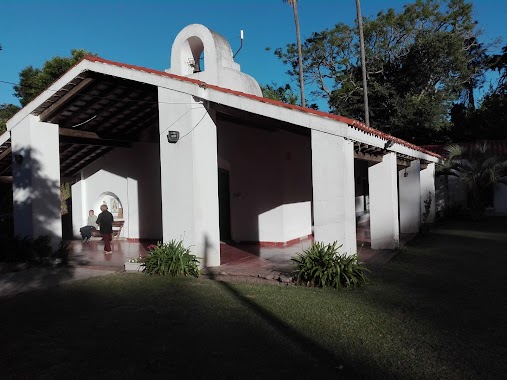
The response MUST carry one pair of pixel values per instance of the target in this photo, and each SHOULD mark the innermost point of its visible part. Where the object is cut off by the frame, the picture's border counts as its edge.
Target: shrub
(36, 251)
(321, 265)
(61, 255)
(171, 259)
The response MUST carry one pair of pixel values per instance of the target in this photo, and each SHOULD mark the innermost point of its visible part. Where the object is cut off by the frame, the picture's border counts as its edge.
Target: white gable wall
(133, 175)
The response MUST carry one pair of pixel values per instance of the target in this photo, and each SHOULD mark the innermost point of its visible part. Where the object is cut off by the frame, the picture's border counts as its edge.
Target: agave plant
(171, 259)
(322, 265)
(477, 168)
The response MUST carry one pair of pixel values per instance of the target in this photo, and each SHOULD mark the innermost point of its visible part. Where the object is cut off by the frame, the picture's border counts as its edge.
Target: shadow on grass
(451, 283)
(135, 326)
(323, 360)
(13, 283)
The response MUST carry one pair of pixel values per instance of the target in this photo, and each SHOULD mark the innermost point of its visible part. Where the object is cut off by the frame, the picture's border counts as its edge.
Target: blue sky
(141, 33)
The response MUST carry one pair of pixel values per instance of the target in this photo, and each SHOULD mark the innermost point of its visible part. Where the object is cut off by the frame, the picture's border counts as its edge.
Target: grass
(436, 311)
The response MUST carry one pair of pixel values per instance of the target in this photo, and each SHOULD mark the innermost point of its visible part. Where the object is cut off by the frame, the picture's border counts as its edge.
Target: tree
(281, 93)
(363, 63)
(6, 112)
(489, 119)
(294, 5)
(419, 62)
(477, 168)
(33, 81)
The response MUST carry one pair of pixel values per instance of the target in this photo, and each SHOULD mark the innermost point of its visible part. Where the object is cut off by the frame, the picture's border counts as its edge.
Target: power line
(110, 98)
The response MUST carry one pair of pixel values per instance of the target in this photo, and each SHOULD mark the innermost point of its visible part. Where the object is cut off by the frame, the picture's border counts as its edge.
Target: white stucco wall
(217, 67)
(270, 182)
(333, 191)
(384, 226)
(410, 197)
(428, 192)
(189, 174)
(500, 198)
(132, 175)
(36, 180)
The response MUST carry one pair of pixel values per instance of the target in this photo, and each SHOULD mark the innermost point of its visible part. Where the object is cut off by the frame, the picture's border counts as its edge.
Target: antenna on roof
(240, 46)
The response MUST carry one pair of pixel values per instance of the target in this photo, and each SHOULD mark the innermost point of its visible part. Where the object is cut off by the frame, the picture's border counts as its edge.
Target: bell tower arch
(200, 53)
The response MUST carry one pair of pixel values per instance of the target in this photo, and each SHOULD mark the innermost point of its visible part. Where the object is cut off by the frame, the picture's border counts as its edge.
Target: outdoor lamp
(173, 137)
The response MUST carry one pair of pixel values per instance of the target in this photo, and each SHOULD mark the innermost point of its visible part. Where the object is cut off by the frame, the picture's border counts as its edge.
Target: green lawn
(437, 311)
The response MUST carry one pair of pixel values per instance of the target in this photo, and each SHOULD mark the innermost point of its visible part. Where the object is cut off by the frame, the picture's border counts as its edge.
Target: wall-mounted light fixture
(173, 137)
(405, 174)
(18, 158)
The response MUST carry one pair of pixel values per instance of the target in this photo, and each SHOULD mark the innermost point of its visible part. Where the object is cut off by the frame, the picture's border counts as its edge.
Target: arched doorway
(113, 202)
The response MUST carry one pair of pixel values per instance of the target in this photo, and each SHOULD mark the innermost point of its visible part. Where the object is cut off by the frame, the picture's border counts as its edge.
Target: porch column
(410, 198)
(189, 175)
(36, 179)
(79, 211)
(333, 190)
(384, 227)
(428, 192)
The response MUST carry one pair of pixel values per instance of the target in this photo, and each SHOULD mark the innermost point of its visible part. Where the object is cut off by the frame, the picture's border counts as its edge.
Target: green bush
(171, 259)
(321, 265)
(36, 251)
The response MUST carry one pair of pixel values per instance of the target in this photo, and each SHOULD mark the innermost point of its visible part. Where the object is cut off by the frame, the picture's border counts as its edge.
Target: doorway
(224, 199)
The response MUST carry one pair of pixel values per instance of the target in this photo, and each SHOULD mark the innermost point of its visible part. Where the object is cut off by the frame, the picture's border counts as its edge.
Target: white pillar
(78, 210)
(36, 179)
(131, 212)
(384, 227)
(428, 192)
(189, 175)
(333, 190)
(410, 198)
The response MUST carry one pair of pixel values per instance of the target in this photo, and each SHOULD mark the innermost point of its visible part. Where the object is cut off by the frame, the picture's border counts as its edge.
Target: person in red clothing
(105, 222)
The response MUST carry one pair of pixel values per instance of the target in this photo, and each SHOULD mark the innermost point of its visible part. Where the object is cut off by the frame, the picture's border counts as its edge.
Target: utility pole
(363, 64)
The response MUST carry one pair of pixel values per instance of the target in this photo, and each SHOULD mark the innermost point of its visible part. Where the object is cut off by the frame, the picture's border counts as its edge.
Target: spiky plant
(477, 168)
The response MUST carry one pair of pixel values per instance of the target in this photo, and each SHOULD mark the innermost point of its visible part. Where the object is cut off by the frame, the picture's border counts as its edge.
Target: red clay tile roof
(353, 123)
(498, 147)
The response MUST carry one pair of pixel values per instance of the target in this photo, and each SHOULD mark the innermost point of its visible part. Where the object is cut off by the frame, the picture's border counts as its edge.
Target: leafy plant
(36, 251)
(41, 248)
(427, 208)
(321, 265)
(61, 255)
(478, 169)
(171, 259)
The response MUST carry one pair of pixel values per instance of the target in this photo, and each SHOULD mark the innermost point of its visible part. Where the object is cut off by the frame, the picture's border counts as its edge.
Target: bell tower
(200, 53)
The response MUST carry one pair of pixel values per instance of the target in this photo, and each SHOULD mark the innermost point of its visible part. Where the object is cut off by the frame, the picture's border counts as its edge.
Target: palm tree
(363, 63)
(294, 5)
(477, 168)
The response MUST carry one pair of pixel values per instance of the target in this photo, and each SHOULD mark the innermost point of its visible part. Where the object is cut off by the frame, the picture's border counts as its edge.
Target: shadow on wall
(36, 198)
(140, 165)
(36, 207)
(270, 174)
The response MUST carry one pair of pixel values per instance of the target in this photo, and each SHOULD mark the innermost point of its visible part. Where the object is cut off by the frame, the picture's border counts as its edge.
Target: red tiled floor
(92, 253)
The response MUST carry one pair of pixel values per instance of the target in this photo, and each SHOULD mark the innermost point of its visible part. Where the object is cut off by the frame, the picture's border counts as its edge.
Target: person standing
(105, 222)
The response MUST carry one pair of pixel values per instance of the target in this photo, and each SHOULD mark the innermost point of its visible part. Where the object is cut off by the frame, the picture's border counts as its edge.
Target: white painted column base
(428, 192)
(333, 190)
(189, 175)
(410, 198)
(384, 226)
(36, 179)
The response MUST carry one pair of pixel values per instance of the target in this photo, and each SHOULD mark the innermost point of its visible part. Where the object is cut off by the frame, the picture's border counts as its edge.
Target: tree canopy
(281, 93)
(420, 62)
(6, 112)
(33, 81)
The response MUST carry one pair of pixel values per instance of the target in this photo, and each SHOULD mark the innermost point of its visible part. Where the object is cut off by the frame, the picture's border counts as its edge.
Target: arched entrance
(113, 203)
